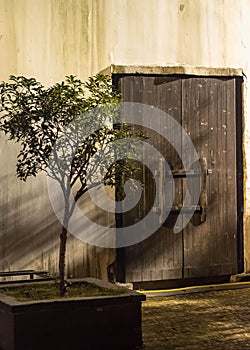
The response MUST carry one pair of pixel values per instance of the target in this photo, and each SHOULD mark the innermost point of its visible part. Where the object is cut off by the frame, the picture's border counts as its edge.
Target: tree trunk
(63, 240)
(62, 254)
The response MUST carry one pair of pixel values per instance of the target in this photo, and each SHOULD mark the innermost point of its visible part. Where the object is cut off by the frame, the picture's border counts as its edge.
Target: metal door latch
(201, 207)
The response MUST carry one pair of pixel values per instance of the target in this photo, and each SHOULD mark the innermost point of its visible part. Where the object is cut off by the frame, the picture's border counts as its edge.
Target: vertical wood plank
(209, 118)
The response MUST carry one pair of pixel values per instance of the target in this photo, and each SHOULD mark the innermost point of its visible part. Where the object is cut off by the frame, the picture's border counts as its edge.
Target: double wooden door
(208, 245)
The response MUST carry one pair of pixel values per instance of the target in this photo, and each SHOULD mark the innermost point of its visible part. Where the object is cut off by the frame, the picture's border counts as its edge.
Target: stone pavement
(208, 320)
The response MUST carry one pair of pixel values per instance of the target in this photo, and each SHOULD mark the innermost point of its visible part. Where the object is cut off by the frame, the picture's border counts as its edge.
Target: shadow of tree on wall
(29, 237)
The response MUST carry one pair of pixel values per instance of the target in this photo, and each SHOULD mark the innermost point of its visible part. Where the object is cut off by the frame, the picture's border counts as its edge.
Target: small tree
(36, 117)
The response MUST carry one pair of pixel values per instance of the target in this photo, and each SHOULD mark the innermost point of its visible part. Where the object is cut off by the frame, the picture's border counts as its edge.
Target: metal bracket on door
(201, 207)
(203, 194)
(160, 198)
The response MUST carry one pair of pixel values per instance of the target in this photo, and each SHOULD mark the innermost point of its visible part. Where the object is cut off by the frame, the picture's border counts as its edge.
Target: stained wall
(48, 39)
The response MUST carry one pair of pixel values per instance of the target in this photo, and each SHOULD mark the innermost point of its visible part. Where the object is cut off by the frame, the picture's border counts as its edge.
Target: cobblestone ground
(213, 320)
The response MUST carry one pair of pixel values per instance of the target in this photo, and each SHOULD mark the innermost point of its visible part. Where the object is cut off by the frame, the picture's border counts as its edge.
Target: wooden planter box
(105, 322)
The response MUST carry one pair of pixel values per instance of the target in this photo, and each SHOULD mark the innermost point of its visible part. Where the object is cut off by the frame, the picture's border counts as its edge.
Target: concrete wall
(46, 40)
(49, 39)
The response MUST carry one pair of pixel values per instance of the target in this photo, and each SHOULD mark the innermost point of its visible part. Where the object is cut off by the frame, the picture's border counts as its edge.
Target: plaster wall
(49, 39)
(46, 40)
(191, 33)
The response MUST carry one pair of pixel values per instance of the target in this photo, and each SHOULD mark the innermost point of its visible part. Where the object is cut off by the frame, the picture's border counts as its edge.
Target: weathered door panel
(205, 107)
(160, 256)
(209, 116)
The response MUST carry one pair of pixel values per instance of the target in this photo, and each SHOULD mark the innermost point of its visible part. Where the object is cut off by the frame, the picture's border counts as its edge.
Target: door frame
(118, 71)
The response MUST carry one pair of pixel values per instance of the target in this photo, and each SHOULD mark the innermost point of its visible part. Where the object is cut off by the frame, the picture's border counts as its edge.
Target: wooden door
(206, 109)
